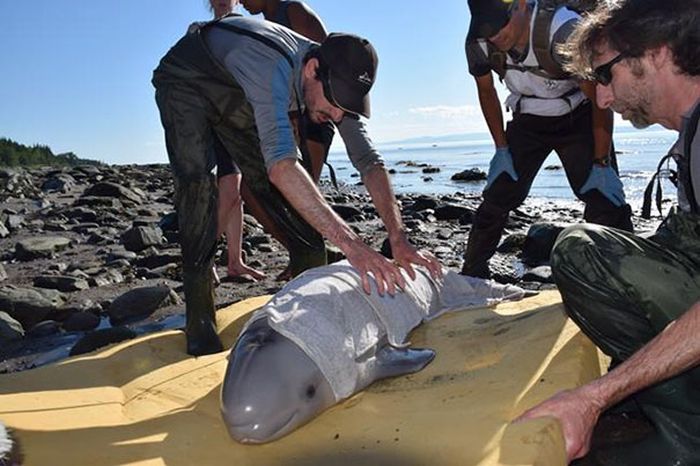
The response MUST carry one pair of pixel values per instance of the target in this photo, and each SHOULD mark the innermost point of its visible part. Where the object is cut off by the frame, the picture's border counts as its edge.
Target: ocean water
(639, 152)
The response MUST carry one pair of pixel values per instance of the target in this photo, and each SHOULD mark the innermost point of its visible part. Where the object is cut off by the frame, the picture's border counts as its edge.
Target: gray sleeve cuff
(362, 153)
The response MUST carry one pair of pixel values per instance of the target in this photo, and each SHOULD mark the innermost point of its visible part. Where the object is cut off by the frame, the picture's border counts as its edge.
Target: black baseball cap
(347, 71)
(488, 17)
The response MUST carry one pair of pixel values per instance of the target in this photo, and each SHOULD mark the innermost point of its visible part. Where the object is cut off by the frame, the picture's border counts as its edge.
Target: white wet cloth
(328, 315)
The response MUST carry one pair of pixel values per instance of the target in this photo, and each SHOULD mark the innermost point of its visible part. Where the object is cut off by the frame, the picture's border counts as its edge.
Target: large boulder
(30, 305)
(99, 338)
(453, 212)
(539, 243)
(39, 247)
(61, 283)
(139, 238)
(347, 212)
(10, 329)
(58, 182)
(110, 189)
(140, 303)
(472, 174)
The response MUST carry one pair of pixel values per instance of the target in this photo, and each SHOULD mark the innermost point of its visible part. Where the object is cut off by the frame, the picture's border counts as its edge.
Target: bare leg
(230, 217)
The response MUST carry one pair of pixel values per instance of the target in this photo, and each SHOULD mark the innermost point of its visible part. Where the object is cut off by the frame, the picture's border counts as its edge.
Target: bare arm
(670, 353)
(306, 22)
(298, 188)
(377, 182)
(602, 123)
(491, 108)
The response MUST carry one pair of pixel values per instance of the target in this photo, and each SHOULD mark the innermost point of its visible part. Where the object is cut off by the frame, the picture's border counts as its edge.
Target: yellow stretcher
(146, 402)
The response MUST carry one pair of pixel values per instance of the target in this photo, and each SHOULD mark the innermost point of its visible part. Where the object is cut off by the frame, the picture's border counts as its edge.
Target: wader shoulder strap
(260, 38)
(688, 143)
(275, 46)
(541, 45)
(646, 205)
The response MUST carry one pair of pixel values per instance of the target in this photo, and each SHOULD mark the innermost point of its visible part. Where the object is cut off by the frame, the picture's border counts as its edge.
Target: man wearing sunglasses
(552, 111)
(638, 299)
(239, 78)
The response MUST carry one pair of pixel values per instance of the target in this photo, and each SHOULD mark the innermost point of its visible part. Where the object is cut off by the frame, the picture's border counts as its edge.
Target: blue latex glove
(502, 162)
(605, 180)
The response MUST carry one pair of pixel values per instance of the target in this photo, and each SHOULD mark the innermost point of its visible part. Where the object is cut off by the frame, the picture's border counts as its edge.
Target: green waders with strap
(623, 290)
(195, 94)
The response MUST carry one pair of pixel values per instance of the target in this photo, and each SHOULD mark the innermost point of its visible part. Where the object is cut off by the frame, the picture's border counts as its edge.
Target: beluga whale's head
(271, 387)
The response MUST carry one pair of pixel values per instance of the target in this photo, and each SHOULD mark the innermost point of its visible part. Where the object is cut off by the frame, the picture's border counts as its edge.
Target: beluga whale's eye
(310, 391)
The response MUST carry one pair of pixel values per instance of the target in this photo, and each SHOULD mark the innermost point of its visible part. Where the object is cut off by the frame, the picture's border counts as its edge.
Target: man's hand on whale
(405, 255)
(296, 186)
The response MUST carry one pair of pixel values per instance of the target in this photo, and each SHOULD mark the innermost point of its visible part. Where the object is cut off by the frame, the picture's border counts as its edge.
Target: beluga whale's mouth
(253, 434)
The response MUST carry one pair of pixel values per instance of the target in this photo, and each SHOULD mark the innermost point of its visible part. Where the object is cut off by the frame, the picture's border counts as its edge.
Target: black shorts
(224, 162)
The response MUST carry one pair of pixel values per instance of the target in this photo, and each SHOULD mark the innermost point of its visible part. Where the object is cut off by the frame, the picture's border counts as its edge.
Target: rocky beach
(89, 255)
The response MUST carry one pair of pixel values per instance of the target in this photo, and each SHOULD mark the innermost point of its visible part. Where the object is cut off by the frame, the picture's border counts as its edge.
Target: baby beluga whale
(321, 339)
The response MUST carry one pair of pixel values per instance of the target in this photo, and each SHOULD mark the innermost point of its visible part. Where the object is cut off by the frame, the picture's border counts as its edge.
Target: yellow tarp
(146, 402)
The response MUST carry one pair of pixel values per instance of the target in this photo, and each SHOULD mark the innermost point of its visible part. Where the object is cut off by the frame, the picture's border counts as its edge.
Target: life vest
(533, 89)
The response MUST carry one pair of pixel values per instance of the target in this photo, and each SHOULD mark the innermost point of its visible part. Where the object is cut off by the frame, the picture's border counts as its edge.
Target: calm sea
(639, 154)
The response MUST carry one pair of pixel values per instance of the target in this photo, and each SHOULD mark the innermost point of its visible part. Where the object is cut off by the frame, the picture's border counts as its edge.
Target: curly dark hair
(633, 27)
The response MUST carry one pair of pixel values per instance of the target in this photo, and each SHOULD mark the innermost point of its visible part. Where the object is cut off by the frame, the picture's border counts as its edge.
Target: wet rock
(81, 322)
(553, 167)
(442, 251)
(10, 329)
(108, 277)
(346, 212)
(156, 260)
(58, 182)
(30, 305)
(116, 254)
(512, 243)
(539, 243)
(100, 338)
(444, 233)
(140, 303)
(422, 203)
(38, 247)
(63, 283)
(59, 267)
(428, 170)
(109, 189)
(139, 238)
(3, 273)
(165, 271)
(45, 328)
(452, 212)
(96, 202)
(541, 274)
(81, 214)
(266, 248)
(14, 222)
(472, 174)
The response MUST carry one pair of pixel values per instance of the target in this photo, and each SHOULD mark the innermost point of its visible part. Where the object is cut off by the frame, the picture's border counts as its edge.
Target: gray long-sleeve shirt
(273, 87)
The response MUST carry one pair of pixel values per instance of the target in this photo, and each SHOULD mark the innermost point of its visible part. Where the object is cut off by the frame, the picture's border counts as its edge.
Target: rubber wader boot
(484, 237)
(199, 309)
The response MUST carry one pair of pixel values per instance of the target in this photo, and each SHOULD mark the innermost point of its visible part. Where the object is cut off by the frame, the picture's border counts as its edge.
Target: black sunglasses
(603, 73)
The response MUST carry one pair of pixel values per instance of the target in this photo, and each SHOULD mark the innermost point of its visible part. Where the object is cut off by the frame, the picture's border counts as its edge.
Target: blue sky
(76, 75)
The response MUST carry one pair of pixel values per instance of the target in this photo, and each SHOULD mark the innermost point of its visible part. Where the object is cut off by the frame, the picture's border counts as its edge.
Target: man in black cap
(240, 78)
(551, 111)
